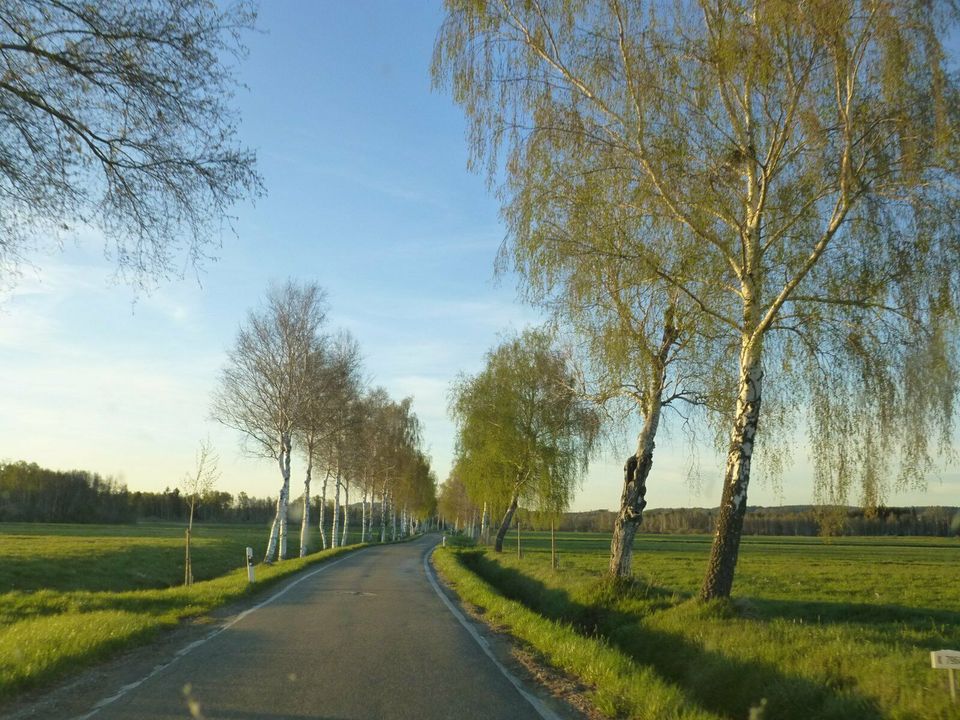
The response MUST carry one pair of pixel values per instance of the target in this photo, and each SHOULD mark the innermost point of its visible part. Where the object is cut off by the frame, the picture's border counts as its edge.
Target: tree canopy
(523, 433)
(789, 171)
(118, 116)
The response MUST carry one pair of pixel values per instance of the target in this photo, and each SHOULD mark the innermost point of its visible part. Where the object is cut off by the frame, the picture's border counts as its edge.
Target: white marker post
(250, 564)
(948, 660)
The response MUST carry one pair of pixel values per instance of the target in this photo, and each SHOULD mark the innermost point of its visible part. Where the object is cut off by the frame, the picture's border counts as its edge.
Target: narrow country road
(367, 637)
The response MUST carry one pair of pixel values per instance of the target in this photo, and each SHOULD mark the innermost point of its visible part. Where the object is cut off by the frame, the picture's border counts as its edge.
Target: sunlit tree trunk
(718, 581)
(383, 513)
(305, 522)
(393, 520)
(323, 510)
(485, 525)
(637, 468)
(336, 510)
(346, 510)
(363, 516)
(632, 502)
(278, 531)
(505, 524)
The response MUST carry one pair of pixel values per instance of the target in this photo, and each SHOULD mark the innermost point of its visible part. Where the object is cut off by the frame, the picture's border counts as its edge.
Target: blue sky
(369, 195)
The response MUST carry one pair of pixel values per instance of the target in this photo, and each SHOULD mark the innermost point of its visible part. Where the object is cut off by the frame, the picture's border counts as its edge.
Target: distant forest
(786, 520)
(29, 493)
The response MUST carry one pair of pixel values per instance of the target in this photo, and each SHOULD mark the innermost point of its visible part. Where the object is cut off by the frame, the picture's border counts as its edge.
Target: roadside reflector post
(948, 660)
(250, 564)
(444, 541)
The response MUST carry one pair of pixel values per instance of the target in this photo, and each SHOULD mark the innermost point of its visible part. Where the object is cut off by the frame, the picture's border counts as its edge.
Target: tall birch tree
(333, 371)
(264, 385)
(802, 160)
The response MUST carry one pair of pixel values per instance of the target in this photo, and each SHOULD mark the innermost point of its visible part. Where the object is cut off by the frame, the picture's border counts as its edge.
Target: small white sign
(945, 659)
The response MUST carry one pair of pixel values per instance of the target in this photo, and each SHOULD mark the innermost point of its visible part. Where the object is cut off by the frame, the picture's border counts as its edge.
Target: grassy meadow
(839, 628)
(74, 594)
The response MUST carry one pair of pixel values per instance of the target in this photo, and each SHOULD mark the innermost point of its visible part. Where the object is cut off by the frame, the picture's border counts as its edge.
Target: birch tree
(195, 486)
(264, 386)
(118, 116)
(332, 375)
(800, 162)
(522, 431)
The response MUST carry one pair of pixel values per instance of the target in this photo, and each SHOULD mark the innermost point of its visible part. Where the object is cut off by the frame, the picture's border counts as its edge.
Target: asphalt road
(366, 638)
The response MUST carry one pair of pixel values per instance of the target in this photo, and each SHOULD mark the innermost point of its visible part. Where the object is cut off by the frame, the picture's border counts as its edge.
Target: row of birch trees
(747, 213)
(292, 386)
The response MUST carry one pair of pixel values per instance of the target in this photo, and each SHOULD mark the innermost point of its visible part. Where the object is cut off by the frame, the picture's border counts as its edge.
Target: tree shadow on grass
(829, 613)
(718, 683)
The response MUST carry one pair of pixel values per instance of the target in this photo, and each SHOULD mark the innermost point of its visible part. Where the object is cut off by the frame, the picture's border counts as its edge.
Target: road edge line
(537, 704)
(186, 649)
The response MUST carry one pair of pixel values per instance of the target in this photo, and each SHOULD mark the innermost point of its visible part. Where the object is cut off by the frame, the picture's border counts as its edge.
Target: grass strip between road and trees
(45, 634)
(619, 686)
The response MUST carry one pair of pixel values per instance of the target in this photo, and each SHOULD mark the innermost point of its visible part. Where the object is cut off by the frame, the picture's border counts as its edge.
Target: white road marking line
(542, 710)
(197, 643)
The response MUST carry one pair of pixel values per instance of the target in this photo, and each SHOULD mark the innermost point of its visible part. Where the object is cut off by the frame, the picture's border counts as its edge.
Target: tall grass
(817, 630)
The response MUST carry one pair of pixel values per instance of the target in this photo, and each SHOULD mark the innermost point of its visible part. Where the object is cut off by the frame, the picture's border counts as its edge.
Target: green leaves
(521, 426)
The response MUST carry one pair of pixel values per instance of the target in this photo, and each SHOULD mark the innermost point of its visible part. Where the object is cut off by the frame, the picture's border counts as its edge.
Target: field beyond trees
(818, 628)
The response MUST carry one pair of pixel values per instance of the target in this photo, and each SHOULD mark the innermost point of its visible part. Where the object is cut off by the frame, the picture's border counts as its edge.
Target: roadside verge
(620, 687)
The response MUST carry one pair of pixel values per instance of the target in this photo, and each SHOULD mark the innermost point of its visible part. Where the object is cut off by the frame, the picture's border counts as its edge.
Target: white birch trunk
(725, 551)
(485, 525)
(346, 510)
(383, 514)
(393, 521)
(363, 517)
(305, 522)
(323, 510)
(336, 510)
(278, 530)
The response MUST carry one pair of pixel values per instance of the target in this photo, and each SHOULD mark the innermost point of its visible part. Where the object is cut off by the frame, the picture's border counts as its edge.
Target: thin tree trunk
(305, 522)
(187, 564)
(485, 525)
(505, 524)
(363, 516)
(336, 509)
(278, 530)
(718, 581)
(637, 468)
(186, 561)
(393, 520)
(346, 510)
(323, 509)
(285, 497)
(632, 502)
(383, 513)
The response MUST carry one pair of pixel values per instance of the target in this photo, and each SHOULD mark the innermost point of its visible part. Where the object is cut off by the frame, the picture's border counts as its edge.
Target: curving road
(365, 637)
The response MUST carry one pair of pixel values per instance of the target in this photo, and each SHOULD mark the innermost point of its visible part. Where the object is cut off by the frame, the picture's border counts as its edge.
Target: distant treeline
(30, 493)
(786, 520)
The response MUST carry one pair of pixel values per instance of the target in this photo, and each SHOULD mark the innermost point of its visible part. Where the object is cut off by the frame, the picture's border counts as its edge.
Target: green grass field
(74, 594)
(817, 628)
